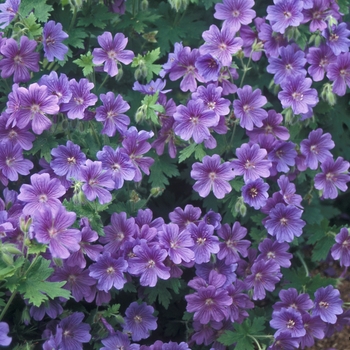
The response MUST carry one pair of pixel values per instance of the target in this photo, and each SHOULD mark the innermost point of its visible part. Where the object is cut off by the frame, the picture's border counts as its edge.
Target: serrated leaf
(187, 152)
(312, 215)
(162, 291)
(96, 15)
(138, 22)
(8, 271)
(76, 38)
(40, 9)
(112, 310)
(85, 62)
(322, 248)
(36, 289)
(162, 169)
(199, 152)
(36, 248)
(44, 143)
(33, 28)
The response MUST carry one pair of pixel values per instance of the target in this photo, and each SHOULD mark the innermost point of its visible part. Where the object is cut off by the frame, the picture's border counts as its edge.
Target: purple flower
(19, 60)
(337, 38)
(339, 73)
(251, 162)
(176, 243)
(12, 162)
(314, 327)
(149, 263)
(235, 13)
(288, 320)
(316, 148)
(58, 86)
(287, 190)
(111, 114)
(247, 108)
(341, 250)
(291, 299)
(52, 308)
(136, 145)
(81, 99)
(68, 160)
(209, 303)
(139, 320)
(184, 217)
(211, 175)
(166, 135)
(96, 179)
(221, 44)
(8, 11)
(272, 40)
(297, 94)
(284, 223)
(233, 243)
(53, 230)
(284, 14)
(41, 194)
(319, 58)
(35, 103)
(292, 62)
(120, 232)
(118, 163)
(208, 67)
(255, 193)
(109, 272)
(74, 332)
(282, 155)
(118, 340)
(265, 275)
(284, 341)
(317, 14)
(194, 120)
(53, 35)
(328, 304)
(5, 340)
(334, 175)
(112, 52)
(272, 250)
(205, 243)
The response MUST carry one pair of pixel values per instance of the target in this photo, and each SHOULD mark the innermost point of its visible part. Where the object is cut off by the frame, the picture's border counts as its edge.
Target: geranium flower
(341, 249)
(339, 73)
(112, 52)
(337, 38)
(288, 320)
(272, 250)
(8, 11)
(255, 193)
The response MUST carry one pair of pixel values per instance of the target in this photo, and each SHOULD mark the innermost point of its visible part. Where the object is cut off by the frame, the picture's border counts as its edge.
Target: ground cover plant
(173, 173)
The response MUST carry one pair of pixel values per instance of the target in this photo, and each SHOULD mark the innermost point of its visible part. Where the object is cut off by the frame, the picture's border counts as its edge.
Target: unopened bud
(134, 197)
(156, 191)
(25, 317)
(24, 223)
(288, 115)
(144, 5)
(65, 124)
(12, 249)
(151, 36)
(7, 258)
(141, 113)
(328, 95)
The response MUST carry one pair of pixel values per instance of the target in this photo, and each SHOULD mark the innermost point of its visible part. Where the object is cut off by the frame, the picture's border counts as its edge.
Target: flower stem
(303, 263)
(3, 312)
(256, 341)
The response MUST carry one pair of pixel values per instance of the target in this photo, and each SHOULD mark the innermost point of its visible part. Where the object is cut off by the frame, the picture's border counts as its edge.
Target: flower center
(314, 149)
(78, 100)
(52, 232)
(120, 236)
(284, 221)
(50, 41)
(287, 14)
(249, 165)
(290, 324)
(271, 255)
(71, 160)
(9, 161)
(43, 198)
(72, 278)
(297, 96)
(253, 192)
(111, 54)
(211, 105)
(247, 108)
(150, 264)
(110, 270)
(333, 37)
(329, 176)
(93, 182)
(212, 176)
(222, 46)
(235, 13)
(323, 304)
(194, 120)
(138, 319)
(18, 59)
(110, 114)
(12, 134)
(258, 276)
(209, 301)
(35, 108)
(115, 167)
(323, 62)
(201, 241)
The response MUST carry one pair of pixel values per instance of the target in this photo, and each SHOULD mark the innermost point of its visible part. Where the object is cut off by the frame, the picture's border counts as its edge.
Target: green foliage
(139, 21)
(85, 62)
(162, 169)
(146, 63)
(149, 109)
(244, 333)
(162, 291)
(76, 38)
(96, 15)
(195, 148)
(43, 145)
(32, 27)
(39, 8)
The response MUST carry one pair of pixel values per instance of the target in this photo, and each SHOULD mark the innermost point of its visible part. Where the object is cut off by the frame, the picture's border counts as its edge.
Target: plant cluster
(173, 200)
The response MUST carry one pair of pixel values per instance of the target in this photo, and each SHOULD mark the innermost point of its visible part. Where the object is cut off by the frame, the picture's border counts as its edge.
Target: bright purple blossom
(316, 148)
(291, 62)
(36, 102)
(208, 67)
(334, 176)
(68, 160)
(341, 249)
(212, 175)
(291, 299)
(297, 94)
(81, 99)
(118, 340)
(54, 230)
(194, 120)
(272, 250)
(248, 107)
(184, 217)
(265, 275)
(50, 307)
(177, 243)
(74, 332)
(5, 340)
(58, 86)
(272, 40)
(221, 44)
(255, 194)
(337, 38)
(288, 320)
(12, 162)
(317, 14)
(328, 304)
(287, 190)
(235, 13)
(41, 194)
(8, 11)
(109, 272)
(96, 179)
(284, 341)
(284, 14)
(111, 114)
(139, 320)
(283, 155)
(314, 327)
(53, 35)
(19, 60)
(284, 223)
(205, 243)
(233, 243)
(339, 73)
(319, 58)
(148, 263)
(251, 162)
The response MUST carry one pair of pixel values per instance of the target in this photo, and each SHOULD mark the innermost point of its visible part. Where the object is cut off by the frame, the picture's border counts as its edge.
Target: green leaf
(344, 6)
(36, 289)
(162, 169)
(76, 38)
(312, 215)
(44, 143)
(162, 291)
(85, 62)
(7, 271)
(40, 9)
(187, 152)
(112, 310)
(96, 15)
(138, 22)
(36, 248)
(148, 61)
(34, 29)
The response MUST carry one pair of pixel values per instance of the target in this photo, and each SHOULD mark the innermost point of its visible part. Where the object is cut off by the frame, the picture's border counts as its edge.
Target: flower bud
(24, 223)
(144, 5)
(156, 191)
(134, 197)
(7, 258)
(328, 95)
